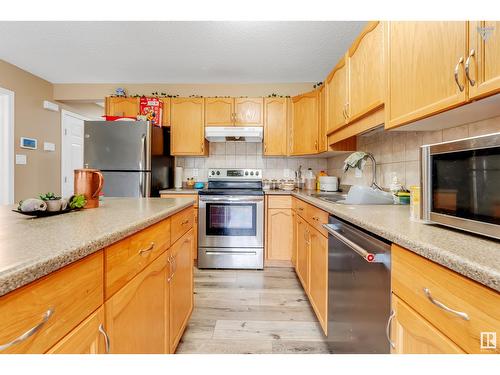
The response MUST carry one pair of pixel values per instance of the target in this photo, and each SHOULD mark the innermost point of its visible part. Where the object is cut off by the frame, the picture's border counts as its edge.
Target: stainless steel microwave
(461, 184)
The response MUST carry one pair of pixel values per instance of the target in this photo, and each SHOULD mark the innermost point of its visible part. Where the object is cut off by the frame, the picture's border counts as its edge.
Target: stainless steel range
(231, 220)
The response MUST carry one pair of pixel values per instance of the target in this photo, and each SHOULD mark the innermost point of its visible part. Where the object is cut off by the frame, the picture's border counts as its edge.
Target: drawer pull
(106, 338)
(388, 329)
(30, 332)
(441, 305)
(144, 251)
(185, 222)
(300, 208)
(316, 218)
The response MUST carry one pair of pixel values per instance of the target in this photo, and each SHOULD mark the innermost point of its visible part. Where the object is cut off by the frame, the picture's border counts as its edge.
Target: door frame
(7, 99)
(64, 113)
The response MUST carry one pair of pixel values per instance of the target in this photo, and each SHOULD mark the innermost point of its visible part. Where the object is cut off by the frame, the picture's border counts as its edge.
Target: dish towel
(354, 160)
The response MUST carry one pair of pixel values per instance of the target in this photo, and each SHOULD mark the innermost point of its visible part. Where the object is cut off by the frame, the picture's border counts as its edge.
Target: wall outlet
(21, 159)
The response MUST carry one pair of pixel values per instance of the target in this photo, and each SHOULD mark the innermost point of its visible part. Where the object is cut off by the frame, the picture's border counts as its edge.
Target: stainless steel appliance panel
(231, 258)
(359, 290)
(127, 184)
(460, 182)
(117, 145)
(231, 221)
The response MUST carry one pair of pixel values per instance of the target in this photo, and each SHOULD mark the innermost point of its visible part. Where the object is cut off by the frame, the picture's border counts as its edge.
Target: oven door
(460, 184)
(231, 221)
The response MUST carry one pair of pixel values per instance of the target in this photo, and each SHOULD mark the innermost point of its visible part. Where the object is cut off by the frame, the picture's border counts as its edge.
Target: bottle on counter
(321, 173)
(310, 180)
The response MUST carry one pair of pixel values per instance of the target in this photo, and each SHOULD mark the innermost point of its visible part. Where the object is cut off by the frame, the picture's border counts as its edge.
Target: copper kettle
(89, 182)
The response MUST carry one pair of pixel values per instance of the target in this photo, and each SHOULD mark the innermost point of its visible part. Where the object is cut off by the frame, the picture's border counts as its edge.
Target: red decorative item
(152, 108)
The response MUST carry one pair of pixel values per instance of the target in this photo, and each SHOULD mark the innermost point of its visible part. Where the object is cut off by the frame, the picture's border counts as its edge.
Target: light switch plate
(48, 146)
(21, 159)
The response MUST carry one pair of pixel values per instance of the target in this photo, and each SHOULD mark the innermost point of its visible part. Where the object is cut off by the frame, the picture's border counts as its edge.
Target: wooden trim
(348, 144)
(368, 28)
(362, 125)
(340, 64)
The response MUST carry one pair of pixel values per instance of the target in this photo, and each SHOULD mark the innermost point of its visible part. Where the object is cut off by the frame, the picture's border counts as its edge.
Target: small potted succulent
(77, 201)
(54, 203)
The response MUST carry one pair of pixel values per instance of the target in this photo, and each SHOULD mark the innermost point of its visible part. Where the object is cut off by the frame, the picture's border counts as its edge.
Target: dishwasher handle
(369, 257)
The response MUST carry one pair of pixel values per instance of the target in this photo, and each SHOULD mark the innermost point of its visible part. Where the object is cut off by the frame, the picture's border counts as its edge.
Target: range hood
(233, 133)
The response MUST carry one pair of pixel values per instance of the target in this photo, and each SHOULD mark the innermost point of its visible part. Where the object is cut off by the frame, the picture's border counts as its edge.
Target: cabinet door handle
(170, 260)
(316, 145)
(147, 250)
(441, 305)
(26, 335)
(472, 53)
(388, 329)
(347, 110)
(107, 342)
(460, 62)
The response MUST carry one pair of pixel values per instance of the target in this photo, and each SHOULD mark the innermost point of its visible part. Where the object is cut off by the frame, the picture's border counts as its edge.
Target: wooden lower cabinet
(412, 334)
(181, 287)
(302, 253)
(135, 315)
(89, 337)
(294, 238)
(318, 276)
(279, 227)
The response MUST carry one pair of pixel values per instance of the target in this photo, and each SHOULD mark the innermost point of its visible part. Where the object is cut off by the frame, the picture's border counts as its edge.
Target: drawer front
(317, 217)
(300, 207)
(279, 201)
(55, 304)
(126, 258)
(192, 196)
(181, 223)
(419, 282)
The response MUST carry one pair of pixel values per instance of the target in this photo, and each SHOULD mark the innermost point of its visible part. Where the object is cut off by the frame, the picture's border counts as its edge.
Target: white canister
(328, 183)
(178, 177)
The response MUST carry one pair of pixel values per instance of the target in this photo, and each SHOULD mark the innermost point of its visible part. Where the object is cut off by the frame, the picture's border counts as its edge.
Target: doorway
(72, 126)
(6, 146)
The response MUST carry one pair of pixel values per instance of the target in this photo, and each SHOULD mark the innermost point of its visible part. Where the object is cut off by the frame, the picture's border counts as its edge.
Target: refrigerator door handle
(141, 184)
(143, 153)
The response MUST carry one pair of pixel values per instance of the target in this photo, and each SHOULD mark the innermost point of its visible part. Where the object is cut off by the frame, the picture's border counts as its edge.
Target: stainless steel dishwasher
(359, 289)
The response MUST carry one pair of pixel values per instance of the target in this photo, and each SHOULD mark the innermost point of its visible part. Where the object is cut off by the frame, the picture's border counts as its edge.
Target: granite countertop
(473, 256)
(32, 248)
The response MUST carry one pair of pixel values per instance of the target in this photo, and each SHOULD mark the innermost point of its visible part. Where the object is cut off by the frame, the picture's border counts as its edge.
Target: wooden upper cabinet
(483, 60)
(412, 334)
(336, 86)
(249, 111)
(166, 111)
(366, 72)
(275, 126)
(188, 127)
(123, 107)
(219, 111)
(322, 138)
(425, 69)
(305, 123)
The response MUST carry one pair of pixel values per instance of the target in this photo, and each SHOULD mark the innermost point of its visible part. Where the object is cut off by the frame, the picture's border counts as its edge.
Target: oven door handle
(231, 199)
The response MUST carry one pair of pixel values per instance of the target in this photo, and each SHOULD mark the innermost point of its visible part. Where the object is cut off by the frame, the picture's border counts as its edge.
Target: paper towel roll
(178, 177)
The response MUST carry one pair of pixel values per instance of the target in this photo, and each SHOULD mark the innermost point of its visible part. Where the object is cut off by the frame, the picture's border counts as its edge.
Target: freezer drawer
(231, 258)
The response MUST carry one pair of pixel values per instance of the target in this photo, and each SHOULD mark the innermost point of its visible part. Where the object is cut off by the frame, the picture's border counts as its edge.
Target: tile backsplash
(398, 152)
(246, 155)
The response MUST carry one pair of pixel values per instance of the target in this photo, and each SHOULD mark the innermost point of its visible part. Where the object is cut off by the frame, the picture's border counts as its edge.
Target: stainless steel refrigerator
(133, 156)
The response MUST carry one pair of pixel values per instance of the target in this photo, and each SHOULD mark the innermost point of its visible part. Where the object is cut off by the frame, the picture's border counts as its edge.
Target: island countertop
(32, 248)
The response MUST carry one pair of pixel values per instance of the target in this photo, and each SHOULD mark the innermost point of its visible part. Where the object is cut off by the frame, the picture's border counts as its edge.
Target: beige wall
(42, 171)
(398, 152)
(91, 92)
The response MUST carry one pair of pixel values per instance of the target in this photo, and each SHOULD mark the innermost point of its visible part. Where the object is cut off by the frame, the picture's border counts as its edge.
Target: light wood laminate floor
(240, 312)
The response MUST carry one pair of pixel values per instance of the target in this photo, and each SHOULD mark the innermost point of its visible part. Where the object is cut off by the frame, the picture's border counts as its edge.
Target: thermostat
(30, 143)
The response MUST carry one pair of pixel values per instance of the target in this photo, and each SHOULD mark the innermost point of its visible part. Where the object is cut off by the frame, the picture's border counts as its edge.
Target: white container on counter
(328, 183)
(178, 177)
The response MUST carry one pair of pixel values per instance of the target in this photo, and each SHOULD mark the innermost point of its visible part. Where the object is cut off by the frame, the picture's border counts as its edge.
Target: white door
(71, 149)
(6, 146)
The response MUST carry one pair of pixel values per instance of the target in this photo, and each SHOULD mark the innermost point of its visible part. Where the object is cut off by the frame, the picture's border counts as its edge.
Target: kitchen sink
(329, 197)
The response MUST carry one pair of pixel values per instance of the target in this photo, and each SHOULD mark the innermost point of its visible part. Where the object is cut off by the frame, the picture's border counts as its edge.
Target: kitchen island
(80, 282)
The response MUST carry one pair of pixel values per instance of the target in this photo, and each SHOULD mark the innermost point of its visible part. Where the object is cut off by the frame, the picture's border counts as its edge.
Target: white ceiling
(177, 52)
